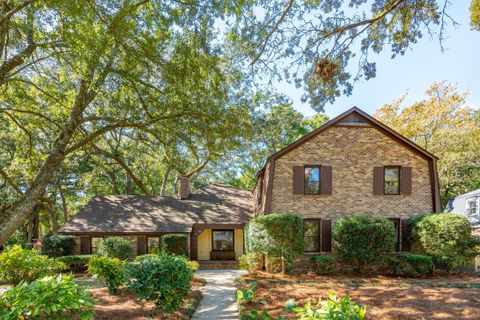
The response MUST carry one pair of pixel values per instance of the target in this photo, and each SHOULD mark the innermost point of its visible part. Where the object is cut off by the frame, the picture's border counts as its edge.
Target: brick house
(351, 165)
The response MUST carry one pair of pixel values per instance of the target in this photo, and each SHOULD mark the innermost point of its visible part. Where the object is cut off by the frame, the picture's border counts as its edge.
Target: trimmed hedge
(323, 264)
(115, 247)
(76, 263)
(364, 240)
(58, 246)
(276, 235)
(175, 243)
(413, 265)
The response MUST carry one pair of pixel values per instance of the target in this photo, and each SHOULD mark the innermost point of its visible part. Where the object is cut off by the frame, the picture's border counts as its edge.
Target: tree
(445, 126)
(475, 14)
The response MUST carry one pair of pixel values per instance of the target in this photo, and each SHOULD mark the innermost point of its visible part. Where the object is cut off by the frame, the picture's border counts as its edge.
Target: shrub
(115, 247)
(323, 264)
(17, 264)
(332, 308)
(447, 238)
(412, 265)
(57, 246)
(193, 265)
(246, 295)
(164, 279)
(109, 270)
(175, 244)
(251, 262)
(365, 239)
(76, 263)
(276, 235)
(56, 297)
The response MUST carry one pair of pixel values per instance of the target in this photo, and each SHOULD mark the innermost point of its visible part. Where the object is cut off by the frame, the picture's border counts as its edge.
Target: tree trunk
(64, 203)
(165, 181)
(33, 225)
(53, 217)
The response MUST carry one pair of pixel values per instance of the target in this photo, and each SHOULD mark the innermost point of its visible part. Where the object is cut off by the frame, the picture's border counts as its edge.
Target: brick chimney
(184, 190)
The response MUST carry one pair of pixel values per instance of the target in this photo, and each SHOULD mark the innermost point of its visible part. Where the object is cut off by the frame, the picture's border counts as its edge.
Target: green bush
(76, 263)
(163, 279)
(447, 238)
(364, 239)
(58, 246)
(56, 297)
(115, 247)
(18, 264)
(109, 270)
(323, 264)
(412, 265)
(276, 235)
(193, 265)
(175, 243)
(250, 262)
(332, 308)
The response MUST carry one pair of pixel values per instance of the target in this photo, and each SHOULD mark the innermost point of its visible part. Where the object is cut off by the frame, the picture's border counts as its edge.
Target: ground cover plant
(323, 264)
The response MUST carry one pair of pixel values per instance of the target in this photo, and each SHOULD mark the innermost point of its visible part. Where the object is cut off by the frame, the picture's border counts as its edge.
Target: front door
(223, 245)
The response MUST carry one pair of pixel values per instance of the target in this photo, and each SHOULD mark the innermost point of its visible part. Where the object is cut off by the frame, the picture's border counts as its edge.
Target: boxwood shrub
(413, 265)
(277, 235)
(109, 270)
(163, 279)
(323, 264)
(364, 239)
(115, 247)
(76, 263)
(57, 246)
(175, 243)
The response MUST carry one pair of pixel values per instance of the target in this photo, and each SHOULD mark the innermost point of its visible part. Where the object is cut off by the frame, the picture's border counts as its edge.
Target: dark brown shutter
(141, 245)
(378, 180)
(405, 240)
(326, 235)
(326, 180)
(406, 180)
(298, 180)
(85, 245)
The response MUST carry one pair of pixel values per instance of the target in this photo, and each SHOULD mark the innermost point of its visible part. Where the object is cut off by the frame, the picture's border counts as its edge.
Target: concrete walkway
(218, 295)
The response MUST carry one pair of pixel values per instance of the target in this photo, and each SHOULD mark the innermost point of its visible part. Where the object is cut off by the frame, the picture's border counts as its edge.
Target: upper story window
(472, 207)
(391, 180)
(312, 179)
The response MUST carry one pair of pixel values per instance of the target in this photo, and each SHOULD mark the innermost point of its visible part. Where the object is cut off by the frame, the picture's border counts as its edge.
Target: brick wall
(353, 152)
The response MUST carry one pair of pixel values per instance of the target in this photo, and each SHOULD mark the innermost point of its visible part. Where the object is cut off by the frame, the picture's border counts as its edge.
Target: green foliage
(475, 14)
(163, 279)
(109, 270)
(18, 264)
(76, 263)
(58, 246)
(323, 264)
(193, 265)
(412, 265)
(255, 315)
(333, 308)
(175, 244)
(277, 235)
(115, 247)
(250, 262)
(364, 239)
(448, 239)
(246, 295)
(56, 297)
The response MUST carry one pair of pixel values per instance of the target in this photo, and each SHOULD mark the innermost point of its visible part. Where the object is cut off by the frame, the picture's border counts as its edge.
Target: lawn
(440, 297)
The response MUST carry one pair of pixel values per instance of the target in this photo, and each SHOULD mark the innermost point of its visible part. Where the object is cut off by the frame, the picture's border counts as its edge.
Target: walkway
(218, 295)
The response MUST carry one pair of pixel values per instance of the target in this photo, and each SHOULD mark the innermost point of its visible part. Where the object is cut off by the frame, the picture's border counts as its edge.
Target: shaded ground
(441, 297)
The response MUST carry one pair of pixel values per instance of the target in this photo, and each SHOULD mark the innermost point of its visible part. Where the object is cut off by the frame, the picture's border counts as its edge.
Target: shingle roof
(216, 203)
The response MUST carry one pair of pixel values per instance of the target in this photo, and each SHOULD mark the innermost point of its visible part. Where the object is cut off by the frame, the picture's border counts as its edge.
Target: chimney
(184, 190)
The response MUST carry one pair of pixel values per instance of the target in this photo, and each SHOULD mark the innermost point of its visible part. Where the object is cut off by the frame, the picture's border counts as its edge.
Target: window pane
(392, 180)
(311, 235)
(222, 240)
(153, 244)
(312, 180)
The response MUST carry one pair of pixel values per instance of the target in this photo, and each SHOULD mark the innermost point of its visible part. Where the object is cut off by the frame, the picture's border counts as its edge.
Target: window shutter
(298, 180)
(378, 180)
(326, 180)
(405, 241)
(326, 235)
(406, 180)
(141, 245)
(85, 245)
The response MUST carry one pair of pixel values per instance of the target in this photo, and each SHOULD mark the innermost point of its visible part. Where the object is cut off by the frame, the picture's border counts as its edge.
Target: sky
(420, 67)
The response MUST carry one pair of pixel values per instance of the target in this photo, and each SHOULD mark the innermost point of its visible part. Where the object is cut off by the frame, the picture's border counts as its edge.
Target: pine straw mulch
(444, 296)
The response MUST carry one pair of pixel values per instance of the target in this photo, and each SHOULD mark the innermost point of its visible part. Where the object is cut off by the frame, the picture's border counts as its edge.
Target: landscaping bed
(444, 296)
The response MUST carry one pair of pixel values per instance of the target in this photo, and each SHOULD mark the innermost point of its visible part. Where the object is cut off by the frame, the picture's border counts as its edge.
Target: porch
(217, 243)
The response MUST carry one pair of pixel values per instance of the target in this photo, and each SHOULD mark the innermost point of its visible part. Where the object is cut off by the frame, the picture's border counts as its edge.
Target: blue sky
(415, 71)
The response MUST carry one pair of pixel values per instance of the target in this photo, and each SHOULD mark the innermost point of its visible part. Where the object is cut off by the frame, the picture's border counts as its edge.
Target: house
(351, 165)
(467, 204)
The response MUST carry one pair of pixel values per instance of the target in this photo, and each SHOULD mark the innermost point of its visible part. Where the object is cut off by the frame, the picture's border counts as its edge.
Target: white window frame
(475, 200)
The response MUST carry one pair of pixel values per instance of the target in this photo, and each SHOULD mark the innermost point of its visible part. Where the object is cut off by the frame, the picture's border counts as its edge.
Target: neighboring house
(351, 165)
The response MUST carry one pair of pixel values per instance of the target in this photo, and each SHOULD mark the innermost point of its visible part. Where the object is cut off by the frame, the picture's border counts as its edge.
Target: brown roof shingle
(218, 203)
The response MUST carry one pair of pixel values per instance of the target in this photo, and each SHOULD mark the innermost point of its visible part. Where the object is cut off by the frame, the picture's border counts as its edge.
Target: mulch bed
(444, 296)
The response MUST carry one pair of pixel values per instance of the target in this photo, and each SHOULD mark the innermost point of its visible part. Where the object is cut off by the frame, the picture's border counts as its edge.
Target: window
(95, 242)
(153, 244)
(222, 240)
(391, 179)
(472, 207)
(311, 235)
(312, 179)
